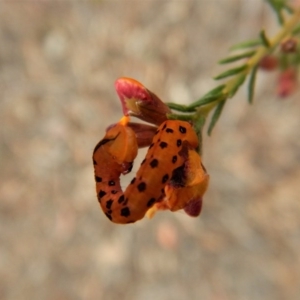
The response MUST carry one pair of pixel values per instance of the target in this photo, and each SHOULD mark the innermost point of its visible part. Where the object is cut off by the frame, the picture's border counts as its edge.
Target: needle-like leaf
(209, 97)
(214, 92)
(247, 44)
(251, 85)
(215, 116)
(231, 72)
(236, 57)
(179, 107)
(264, 39)
(238, 83)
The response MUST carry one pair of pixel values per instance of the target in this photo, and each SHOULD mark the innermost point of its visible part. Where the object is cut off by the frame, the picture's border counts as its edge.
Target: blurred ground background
(58, 64)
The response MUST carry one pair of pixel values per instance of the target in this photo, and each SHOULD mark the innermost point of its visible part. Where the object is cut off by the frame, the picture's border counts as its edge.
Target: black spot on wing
(98, 179)
(163, 145)
(121, 199)
(125, 212)
(182, 129)
(154, 163)
(109, 203)
(169, 130)
(141, 186)
(179, 143)
(101, 194)
(174, 159)
(111, 183)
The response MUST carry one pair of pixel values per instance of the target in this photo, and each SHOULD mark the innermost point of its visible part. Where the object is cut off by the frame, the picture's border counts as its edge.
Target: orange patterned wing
(185, 190)
(113, 156)
(194, 188)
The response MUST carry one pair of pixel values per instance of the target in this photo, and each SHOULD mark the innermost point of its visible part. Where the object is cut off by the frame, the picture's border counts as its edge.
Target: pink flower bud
(289, 45)
(139, 102)
(268, 63)
(287, 82)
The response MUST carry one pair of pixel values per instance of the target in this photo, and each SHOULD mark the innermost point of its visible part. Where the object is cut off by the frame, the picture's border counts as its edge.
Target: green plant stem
(254, 60)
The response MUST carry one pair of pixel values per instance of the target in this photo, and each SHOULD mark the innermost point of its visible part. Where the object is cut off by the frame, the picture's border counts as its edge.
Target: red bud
(268, 63)
(139, 102)
(289, 45)
(287, 82)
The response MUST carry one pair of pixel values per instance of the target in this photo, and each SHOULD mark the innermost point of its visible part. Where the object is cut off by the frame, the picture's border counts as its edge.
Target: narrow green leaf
(277, 6)
(213, 95)
(231, 72)
(178, 107)
(205, 100)
(180, 117)
(215, 117)
(239, 82)
(251, 85)
(214, 92)
(280, 17)
(209, 97)
(236, 57)
(264, 39)
(247, 44)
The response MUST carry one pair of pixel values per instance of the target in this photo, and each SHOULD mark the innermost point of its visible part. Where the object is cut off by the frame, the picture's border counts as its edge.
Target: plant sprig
(214, 100)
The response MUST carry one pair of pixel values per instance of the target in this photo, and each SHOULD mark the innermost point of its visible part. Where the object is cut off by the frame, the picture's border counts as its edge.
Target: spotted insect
(114, 156)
